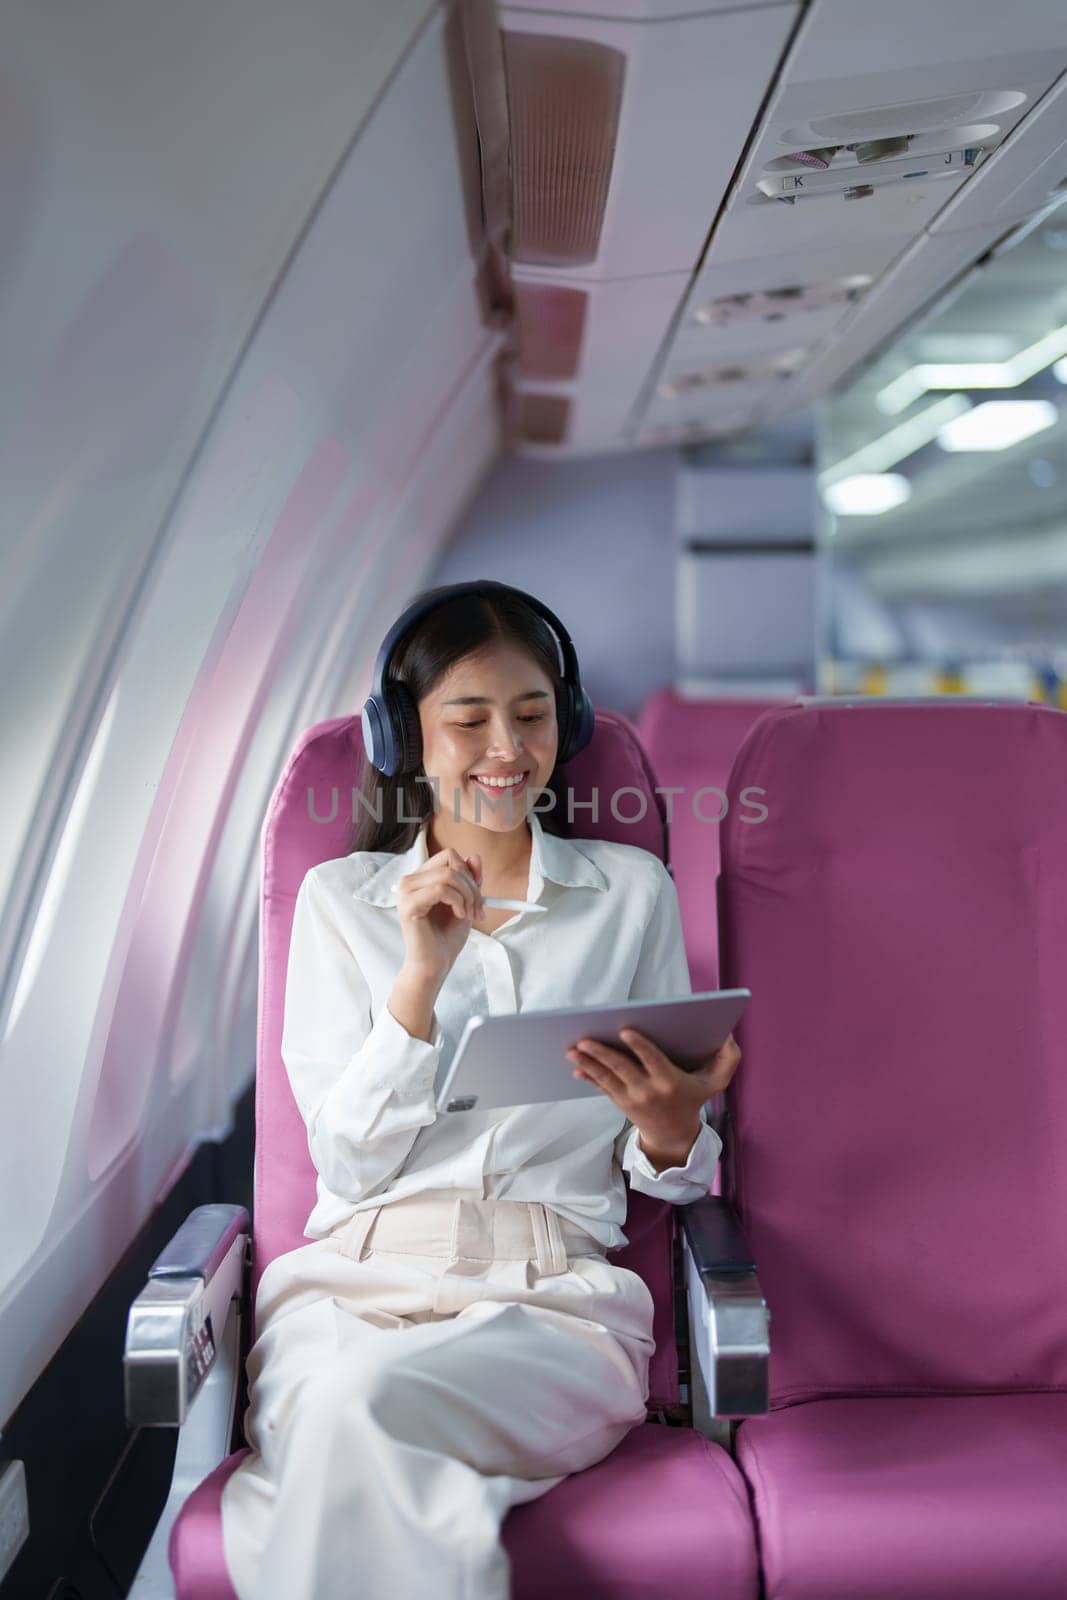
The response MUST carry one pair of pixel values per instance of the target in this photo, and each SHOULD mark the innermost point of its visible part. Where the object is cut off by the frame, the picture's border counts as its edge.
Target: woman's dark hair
(419, 660)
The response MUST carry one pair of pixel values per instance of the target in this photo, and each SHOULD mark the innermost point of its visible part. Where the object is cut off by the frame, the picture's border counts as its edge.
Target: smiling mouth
(501, 788)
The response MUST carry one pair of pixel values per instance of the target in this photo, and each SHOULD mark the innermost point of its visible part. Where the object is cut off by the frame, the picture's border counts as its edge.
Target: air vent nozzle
(924, 116)
(866, 151)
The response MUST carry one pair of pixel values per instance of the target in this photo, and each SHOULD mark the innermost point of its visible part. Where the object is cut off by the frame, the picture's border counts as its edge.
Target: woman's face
(508, 726)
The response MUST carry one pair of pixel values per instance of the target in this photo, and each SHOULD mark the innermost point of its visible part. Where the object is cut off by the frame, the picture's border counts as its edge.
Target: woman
(454, 1341)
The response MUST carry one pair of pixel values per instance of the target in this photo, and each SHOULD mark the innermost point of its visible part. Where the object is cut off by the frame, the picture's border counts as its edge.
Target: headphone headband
(392, 736)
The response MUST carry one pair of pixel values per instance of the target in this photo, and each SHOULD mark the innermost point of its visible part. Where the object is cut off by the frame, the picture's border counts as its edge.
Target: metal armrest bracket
(728, 1317)
(176, 1323)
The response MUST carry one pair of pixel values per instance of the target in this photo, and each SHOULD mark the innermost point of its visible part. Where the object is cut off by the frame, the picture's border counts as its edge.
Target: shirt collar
(560, 860)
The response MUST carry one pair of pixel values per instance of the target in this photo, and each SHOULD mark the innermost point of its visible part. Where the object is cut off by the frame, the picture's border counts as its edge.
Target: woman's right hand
(438, 905)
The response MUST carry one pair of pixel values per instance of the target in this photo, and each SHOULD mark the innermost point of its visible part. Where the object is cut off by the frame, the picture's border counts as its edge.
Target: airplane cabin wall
(249, 388)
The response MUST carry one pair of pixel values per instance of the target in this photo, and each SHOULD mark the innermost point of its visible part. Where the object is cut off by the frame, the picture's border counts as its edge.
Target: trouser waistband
(442, 1223)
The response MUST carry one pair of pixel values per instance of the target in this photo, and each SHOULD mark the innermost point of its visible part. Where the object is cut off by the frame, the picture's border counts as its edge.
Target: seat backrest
(898, 1149)
(318, 782)
(692, 745)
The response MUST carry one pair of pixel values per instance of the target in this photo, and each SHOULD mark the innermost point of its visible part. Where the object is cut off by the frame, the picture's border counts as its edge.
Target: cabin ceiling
(776, 210)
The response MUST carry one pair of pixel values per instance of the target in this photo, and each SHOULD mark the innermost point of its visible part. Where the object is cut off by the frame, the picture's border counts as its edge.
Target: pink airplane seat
(899, 1144)
(692, 744)
(667, 1512)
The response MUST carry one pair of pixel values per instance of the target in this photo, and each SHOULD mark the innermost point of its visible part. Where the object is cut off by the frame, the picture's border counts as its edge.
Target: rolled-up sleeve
(363, 1088)
(679, 1185)
(662, 973)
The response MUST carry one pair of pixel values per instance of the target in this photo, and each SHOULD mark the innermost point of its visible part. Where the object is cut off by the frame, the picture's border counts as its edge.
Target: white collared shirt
(366, 1088)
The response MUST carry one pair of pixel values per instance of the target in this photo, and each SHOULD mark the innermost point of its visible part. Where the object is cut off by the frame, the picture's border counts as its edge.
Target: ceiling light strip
(1019, 368)
(901, 441)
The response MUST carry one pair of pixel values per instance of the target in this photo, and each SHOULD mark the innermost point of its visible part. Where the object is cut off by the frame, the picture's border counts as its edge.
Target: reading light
(997, 424)
(866, 494)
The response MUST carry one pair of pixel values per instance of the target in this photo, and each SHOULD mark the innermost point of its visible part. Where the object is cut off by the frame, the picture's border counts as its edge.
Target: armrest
(728, 1316)
(175, 1322)
(716, 1238)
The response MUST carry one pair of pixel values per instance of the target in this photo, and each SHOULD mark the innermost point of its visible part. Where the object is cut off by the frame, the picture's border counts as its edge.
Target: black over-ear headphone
(392, 732)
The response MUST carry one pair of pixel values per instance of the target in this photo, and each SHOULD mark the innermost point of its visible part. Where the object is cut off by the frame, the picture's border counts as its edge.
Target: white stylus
(503, 904)
(510, 905)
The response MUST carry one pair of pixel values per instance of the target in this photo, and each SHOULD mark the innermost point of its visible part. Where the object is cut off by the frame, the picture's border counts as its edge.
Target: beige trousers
(431, 1363)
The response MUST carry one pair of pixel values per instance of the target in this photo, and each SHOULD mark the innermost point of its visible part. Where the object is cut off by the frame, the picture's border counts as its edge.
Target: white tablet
(519, 1057)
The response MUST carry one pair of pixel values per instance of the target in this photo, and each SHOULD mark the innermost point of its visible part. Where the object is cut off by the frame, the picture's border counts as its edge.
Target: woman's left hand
(661, 1099)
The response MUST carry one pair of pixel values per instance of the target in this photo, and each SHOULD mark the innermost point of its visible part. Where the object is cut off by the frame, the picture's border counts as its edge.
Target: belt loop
(355, 1236)
(551, 1251)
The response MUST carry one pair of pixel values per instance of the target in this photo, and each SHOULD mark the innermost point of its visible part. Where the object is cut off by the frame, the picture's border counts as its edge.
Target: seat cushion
(195, 1547)
(939, 1496)
(665, 1513)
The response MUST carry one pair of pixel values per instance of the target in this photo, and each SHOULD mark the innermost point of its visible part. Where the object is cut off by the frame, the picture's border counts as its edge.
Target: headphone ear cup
(586, 722)
(408, 727)
(565, 720)
(581, 723)
(371, 730)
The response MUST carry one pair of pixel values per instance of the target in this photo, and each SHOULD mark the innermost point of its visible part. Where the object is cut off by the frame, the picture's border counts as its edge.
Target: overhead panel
(826, 243)
(876, 155)
(592, 344)
(923, 278)
(748, 327)
(732, 312)
(716, 391)
(1024, 178)
(1025, 175)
